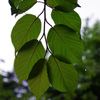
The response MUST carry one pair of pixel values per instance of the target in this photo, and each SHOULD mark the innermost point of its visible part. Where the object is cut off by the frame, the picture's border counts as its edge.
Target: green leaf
(71, 19)
(62, 76)
(26, 4)
(65, 44)
(63, 5)
(20, 6)
(27, 56)
(14, 4)
(38, 79)
(27, 28)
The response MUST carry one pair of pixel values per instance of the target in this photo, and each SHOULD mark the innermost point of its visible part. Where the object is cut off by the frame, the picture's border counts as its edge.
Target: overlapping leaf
(38, 78)
(64, 41)
(27, 28)
(71, 19)
(65, 44)
(63, 77)
(15, 2)
(20, 6)
(26, 4)
(27, 56)
(63, 5)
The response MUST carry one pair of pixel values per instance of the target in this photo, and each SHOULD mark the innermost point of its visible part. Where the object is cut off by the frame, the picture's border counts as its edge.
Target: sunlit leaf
(63, 5)
(65, 44)
(63, 77)
(71, 19)
(27, 56)
(38, 78)
(27, 28)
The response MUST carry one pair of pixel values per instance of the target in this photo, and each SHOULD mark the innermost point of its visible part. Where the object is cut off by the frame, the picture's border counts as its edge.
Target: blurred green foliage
(9, 89)
(89, 75)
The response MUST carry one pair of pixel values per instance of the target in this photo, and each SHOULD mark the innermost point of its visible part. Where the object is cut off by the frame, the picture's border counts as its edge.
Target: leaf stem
(39, 2)
(55, 31)
(44, 34)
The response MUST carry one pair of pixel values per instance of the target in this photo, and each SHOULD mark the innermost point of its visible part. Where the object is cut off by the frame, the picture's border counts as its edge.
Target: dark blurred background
(89, 76)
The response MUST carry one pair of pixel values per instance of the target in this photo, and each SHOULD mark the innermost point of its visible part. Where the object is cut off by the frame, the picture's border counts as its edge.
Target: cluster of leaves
(63, 42)
(89, 78)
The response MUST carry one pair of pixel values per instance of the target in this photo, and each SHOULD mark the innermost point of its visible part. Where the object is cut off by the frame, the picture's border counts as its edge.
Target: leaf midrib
(64, 42)
(59, 70)
(20, 43)
(65, 19)
(32, 56)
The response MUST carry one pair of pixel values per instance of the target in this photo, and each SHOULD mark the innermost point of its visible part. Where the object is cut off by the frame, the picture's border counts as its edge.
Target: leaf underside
(63, 77)
(63, 5)
(20, 6)
(65, 44)
(38, 79)
(26, 29)
(27, 56)
(72, 19)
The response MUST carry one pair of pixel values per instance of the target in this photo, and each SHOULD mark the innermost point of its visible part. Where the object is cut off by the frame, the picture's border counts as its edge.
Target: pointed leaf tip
(38, 78)
(28, 55)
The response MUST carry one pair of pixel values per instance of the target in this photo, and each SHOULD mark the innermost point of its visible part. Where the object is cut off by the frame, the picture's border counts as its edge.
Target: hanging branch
(62, 42)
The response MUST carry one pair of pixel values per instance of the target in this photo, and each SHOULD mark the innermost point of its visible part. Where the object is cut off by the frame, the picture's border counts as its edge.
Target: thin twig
(44, 34)
(50, 7)
(39, 2)
(55, 31)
